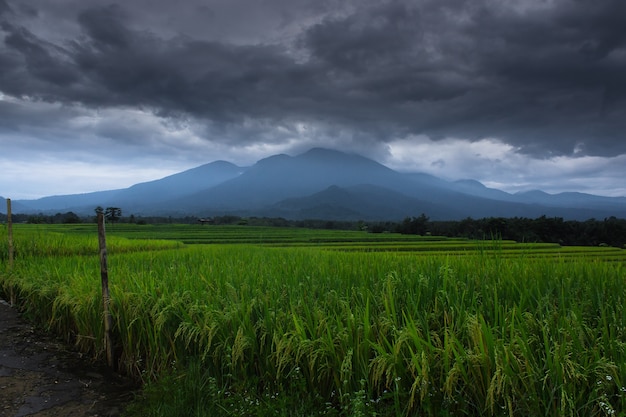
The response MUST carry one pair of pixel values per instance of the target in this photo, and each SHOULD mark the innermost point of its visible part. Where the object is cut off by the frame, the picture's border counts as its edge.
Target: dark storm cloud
(111, 65)
(44, 62)
(540, 79)
(544, 77)
(4, 7)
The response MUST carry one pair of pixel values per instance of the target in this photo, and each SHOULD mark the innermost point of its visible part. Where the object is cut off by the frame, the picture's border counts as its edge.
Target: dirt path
(41, 377)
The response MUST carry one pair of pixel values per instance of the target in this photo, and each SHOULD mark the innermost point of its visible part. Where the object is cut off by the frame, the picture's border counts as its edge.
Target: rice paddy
(241, 320)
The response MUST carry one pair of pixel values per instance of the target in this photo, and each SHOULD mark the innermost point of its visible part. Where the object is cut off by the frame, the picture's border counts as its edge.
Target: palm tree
(113, 214)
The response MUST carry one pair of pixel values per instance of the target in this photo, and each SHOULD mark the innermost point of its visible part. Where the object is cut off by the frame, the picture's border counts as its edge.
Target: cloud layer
(543, 79)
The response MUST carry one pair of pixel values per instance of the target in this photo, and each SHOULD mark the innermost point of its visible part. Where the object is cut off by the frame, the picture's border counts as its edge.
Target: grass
(319, 328)
(34, 241)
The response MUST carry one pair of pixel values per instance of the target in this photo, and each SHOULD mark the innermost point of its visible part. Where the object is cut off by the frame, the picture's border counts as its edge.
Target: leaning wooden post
(10, 232)
(106, 299)
(11, 250)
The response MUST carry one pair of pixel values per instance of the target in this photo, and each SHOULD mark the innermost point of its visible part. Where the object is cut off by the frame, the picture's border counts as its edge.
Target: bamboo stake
(11, 250)
(106, 299)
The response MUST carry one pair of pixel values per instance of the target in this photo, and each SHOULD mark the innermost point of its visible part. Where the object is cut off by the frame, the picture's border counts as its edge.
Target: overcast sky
(518, 94)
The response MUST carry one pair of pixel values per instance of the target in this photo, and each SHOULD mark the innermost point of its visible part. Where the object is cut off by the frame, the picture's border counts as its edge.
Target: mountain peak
(533, 193)
(326, 183)
(277, 157)
(470, 183)
(323, 152)
(343, 160)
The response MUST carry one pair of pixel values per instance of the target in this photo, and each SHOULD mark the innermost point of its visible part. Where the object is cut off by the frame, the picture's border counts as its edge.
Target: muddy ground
(42, 377)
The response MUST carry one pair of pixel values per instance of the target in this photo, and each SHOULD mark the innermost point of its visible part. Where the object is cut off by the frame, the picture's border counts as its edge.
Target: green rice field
(261, 321)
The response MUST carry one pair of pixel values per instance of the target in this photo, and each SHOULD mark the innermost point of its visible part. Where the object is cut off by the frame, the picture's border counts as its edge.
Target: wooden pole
(11, 250)
(106, 299)
(10, 232)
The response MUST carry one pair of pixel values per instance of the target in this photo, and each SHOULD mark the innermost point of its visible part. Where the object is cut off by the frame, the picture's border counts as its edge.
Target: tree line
(610, 231)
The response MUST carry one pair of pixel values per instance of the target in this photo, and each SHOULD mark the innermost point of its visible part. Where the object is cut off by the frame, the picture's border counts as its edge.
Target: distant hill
(281, 177)
(145, 195)
(326, 184)
(359, 202)
(16, 206)
(571, 200)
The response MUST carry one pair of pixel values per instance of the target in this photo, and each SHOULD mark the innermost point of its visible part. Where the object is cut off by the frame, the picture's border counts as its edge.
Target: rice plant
(251, 327)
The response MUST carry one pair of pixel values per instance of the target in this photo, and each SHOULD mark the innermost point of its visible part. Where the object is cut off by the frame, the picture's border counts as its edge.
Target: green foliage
(112, 214)
(35, 241)
(332, 323)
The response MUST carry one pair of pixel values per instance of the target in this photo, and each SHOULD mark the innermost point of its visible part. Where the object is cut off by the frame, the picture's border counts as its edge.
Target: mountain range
(323, 184)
